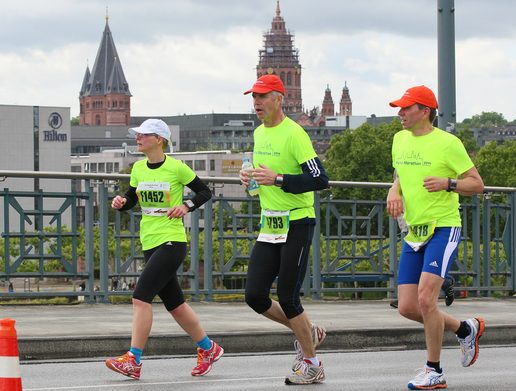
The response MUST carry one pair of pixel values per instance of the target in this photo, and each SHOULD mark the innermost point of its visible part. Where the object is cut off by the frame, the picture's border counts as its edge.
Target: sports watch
(452, 184)
(279, 180)
(189, 204)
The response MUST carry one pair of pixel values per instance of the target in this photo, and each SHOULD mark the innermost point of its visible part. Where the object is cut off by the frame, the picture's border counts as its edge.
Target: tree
(485, 120)
(362, 155)
(467, 138)
(75, 121)
(496, 162)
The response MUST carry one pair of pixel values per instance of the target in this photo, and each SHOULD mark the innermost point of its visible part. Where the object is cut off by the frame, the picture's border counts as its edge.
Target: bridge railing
(354, 251)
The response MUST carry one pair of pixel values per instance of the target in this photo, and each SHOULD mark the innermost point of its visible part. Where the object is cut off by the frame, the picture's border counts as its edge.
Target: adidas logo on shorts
(434, 264)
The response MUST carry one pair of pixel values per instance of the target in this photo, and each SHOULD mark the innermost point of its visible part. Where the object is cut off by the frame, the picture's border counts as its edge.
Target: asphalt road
(350, 371)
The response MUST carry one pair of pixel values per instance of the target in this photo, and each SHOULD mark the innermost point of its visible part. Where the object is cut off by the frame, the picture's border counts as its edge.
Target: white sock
(313, 360)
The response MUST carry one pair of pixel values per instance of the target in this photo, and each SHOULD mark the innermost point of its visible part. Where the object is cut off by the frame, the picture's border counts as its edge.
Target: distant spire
(107, 14)
(278, 12)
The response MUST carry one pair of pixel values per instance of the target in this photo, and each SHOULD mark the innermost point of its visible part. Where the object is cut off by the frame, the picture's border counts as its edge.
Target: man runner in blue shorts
(433, 168)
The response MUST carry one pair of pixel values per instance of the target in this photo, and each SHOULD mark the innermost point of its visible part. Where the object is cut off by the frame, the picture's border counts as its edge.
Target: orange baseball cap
(267, 83)
(419, 94)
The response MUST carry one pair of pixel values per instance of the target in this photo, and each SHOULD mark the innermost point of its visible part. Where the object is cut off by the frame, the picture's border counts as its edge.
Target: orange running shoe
(205, 359)
(126, 365)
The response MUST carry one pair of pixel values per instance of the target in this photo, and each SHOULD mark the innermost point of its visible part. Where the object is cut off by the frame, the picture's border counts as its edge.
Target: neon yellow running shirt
(439, 154)
(283, 148)
(158, 190)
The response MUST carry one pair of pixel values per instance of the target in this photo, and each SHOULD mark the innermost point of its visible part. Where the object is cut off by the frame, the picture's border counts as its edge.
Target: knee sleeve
(258, 303)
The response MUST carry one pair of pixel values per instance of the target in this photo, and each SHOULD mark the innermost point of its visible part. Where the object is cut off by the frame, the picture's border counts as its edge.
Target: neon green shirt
(283, 148)
(158, 190)
(437, 153)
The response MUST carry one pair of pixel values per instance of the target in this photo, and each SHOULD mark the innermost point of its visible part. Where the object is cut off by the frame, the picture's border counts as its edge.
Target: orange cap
(419, 94)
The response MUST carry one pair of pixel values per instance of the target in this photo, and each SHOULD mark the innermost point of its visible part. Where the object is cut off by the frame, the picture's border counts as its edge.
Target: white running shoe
(469, 345)
(318, 336)
(427, 379)
(306, 374)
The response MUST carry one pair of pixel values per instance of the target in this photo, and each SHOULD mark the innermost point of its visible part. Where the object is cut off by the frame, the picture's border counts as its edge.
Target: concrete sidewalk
(99, 330)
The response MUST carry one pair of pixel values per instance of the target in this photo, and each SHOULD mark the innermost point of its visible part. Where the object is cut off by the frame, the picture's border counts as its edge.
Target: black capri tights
(159, 275)
(288, 262)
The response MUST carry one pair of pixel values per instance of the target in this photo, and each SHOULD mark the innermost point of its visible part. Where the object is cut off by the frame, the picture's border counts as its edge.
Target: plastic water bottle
(253, 188)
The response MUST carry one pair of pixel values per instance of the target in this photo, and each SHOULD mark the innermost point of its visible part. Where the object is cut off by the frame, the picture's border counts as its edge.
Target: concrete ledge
(55, 348)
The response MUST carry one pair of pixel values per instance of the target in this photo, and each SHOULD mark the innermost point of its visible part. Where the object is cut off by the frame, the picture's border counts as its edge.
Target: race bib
(274, 226)
(154, 198)
(419, 235)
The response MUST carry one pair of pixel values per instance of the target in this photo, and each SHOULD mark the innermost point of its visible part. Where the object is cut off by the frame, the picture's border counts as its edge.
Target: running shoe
(126, 365)
(307, 373)
(205, 359)
(318, 336)
(427, 379)
(469, 345)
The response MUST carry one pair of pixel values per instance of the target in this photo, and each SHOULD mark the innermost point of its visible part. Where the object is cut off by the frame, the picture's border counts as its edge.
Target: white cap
(152, 125)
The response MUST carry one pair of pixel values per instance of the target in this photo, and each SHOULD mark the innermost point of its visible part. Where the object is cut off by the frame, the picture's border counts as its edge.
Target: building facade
(36, 138)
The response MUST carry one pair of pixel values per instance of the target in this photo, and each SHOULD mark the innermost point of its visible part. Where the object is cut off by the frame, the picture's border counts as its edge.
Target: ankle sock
(313, 360)
(205, 343)
(464, 330)
(435, 365)
(137, 353)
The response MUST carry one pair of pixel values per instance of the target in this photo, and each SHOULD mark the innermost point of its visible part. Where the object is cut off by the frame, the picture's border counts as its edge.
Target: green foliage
(485, 120)
(362, 155)
(75, 121)
(496, 163)
(466, 136)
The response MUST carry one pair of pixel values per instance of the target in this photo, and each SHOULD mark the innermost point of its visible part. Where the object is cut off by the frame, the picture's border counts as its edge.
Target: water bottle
(253, 188)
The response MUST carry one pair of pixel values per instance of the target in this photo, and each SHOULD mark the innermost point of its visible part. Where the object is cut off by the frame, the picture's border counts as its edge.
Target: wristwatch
(189, 204)
(452, 184)
(279, 180)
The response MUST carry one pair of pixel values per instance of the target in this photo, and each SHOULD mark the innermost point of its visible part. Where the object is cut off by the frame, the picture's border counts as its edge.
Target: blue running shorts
(435, 257)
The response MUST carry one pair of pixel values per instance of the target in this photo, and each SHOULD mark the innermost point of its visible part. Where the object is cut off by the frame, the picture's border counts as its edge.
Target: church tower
(279, 57)
(104, 97)
(328, 108)
(346, 106)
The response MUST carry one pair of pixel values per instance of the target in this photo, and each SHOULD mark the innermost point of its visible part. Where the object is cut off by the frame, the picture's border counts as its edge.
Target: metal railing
(354, 251)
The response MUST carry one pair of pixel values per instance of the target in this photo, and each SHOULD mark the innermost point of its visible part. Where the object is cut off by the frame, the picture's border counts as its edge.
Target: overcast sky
(198, 56)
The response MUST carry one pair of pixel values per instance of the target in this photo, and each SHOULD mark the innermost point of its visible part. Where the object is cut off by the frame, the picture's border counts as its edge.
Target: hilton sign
(52, 135)
(55, 121)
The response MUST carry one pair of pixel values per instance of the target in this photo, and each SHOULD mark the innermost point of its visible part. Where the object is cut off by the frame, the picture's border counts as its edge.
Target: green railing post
(208, 254)
(475, 243)
(512, 255)
(194, 254)
(486, 248)
(316, 254)
(393, 258)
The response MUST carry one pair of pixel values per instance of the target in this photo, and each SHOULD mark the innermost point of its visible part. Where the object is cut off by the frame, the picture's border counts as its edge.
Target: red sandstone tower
(328, 108)
(104, 97)
(279, 57)
(346, 106)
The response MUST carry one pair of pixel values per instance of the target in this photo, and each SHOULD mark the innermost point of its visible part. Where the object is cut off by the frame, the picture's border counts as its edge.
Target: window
(102, 167)
(117, 168)
(93, 167)
(109, 167)
(86, 167)
(212, 165)
(189, 163)
(200, 165)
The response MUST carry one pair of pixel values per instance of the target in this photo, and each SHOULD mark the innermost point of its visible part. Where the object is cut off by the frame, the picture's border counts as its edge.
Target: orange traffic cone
(10, 375)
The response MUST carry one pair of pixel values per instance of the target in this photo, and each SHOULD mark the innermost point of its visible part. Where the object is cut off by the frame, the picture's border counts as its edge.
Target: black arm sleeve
(202, 192)
(313, 178)
(131, 199)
